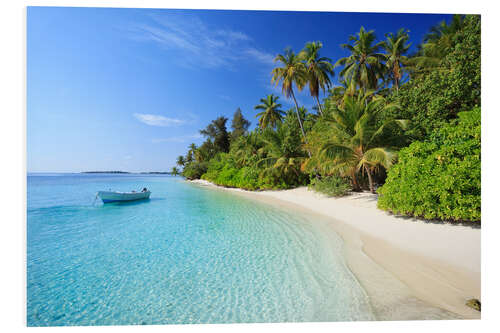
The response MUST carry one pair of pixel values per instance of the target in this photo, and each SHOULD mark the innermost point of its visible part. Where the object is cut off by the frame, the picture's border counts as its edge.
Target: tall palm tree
(181, 161)
(364, 64)
(191, 152)
(292, 71)
(355, 144)
(272, 115)
(174, 172)
(319, 69)
(395, 47)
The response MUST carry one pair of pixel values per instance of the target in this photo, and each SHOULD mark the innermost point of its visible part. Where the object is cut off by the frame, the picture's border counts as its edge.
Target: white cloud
(157, 120)
(182, 138)
(199, 45)
(263, 57)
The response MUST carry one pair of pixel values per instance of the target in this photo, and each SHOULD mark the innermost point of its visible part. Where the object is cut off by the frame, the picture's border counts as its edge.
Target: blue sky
(129, 89)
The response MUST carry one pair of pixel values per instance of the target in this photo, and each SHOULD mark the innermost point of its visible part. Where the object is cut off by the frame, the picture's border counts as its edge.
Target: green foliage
(439, 178)
(385, 102)
(223, 170)
(433, 98)
(353, 144)
(239, 125)
(332, 186)
(174, 172)
(271, 114)
(364, 64)
(217, 134)
(194, 170)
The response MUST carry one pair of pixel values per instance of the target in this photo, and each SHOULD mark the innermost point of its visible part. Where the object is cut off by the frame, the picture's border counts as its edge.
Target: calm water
(188, 255)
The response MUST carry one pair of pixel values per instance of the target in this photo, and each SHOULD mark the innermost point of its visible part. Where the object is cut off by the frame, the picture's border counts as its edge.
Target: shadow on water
(130, 203)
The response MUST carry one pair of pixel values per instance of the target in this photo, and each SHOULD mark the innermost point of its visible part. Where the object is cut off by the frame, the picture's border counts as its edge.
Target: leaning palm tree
(319, 69)
(271, 114)
(358, 142)
(292, 71)
(364, 65)
(395, 47)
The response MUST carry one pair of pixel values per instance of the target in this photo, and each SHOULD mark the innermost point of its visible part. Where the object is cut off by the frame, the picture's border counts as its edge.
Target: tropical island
(347, 190)
(407, 127)
(398, 141)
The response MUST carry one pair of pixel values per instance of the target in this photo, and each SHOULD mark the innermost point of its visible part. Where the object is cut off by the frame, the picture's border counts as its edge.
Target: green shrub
(194, 170)
(439, 178)
(332, 186)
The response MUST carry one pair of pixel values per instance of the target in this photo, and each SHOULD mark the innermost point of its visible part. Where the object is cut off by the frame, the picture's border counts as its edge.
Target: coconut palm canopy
(271, 114)
(364, 64)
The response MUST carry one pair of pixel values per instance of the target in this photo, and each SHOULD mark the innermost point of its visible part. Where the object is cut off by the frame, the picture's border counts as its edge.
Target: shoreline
(407, 270)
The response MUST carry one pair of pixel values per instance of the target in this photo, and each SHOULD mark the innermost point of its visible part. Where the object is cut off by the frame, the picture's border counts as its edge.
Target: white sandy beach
(411, 269)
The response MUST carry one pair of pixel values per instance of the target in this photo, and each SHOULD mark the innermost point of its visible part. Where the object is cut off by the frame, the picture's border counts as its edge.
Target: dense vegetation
(385, 100)
(439, 178)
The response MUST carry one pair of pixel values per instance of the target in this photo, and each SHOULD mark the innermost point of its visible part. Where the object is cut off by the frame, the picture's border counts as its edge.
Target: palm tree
(395, 47)
(441, 35)
(174, 172)
(181, 161)
(437, 44)
(338, 92)
(364, 64)
(247, 148)
(191, 152)
(356, 143)
(281, 159)
(272, 115)
(292, 72)
(319, 69)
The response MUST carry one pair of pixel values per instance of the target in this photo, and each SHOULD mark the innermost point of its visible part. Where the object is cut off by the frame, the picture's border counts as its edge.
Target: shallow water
(190, 254)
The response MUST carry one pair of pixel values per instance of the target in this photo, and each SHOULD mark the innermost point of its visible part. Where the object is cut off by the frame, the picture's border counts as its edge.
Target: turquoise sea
(190, 254)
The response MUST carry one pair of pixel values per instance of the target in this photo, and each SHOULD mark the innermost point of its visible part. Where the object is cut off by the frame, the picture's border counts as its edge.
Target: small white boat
(114, 196)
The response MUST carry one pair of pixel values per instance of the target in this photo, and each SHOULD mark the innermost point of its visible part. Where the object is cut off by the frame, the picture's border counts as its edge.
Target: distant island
(105, 172)
(156, 173)
(142, 173)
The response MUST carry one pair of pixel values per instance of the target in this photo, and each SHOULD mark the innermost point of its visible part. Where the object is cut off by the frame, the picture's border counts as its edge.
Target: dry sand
(411, 269)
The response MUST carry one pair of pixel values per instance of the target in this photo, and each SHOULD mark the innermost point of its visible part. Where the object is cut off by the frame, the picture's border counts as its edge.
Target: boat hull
(109, 196)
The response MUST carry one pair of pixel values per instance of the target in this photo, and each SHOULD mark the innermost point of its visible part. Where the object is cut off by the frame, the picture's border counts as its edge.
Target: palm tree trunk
(355, 185)
(319, 105)
(300, 121)
(370, 180)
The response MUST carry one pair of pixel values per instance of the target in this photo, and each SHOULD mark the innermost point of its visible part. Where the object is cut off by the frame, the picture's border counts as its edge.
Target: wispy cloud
(265, 58)
(199, 45)
(157, 120)
(224, 97)
(180, 139)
